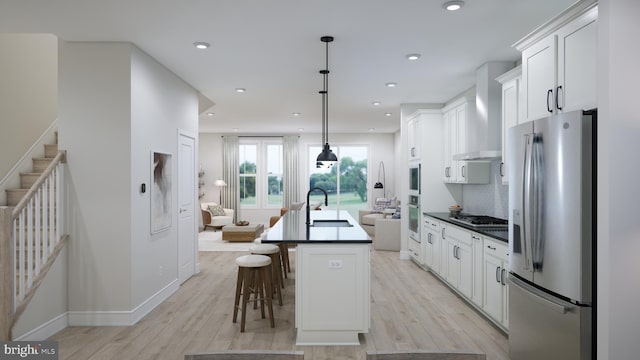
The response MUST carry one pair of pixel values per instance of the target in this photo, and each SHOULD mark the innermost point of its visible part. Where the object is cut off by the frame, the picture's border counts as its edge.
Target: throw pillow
(216, 210)
(380, 205)
(396, 215)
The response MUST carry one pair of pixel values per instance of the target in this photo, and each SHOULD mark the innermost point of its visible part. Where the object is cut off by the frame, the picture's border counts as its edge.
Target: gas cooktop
(480, 221)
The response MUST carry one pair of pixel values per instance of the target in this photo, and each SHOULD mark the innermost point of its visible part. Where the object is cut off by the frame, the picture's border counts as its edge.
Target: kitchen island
(333, 275)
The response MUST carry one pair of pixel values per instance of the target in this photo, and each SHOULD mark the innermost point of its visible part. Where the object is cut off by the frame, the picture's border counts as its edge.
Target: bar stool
(284, 255)
(273, 252)
(254, 275)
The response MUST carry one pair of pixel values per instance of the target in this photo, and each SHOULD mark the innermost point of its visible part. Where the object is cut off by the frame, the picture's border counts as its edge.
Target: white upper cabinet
(459, 137)
(559, 63)
(577, 52)
(511, 111)
(415, 131)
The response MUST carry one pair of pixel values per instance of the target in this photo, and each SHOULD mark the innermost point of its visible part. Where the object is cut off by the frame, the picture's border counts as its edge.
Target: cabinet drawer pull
(498, 274)
(501, 169)
(462, 170)
(443, 233)
(549, 96)
(490, 247)
(502, 276)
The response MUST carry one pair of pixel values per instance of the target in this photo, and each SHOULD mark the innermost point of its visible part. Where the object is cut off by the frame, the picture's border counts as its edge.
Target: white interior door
(186, 204)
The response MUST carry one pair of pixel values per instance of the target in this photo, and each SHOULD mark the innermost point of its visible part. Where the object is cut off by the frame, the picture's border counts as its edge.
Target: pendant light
(327, 158)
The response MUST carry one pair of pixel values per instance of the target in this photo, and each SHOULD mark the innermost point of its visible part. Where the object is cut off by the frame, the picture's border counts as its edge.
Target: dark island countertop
(501, 235)
(292, 228)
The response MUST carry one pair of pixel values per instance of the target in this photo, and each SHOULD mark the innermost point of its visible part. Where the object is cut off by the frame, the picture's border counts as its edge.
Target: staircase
(28, 179)
(31, 235)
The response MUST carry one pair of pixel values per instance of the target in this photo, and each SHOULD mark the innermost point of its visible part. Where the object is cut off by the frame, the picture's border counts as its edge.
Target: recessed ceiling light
(387, 114)
(295, 114)
(201, 45)
(453, 5)
(376, 103)
(240, 90)
(371, 129)
(210, 114)
(235, 129)
(391, 84)
(413, 57)
(300, 129)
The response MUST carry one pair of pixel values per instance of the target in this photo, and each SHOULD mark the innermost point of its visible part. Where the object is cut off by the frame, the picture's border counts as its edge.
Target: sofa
(215, 221)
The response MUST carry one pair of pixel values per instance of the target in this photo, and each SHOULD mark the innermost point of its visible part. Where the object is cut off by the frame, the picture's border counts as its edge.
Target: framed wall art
(161, 175)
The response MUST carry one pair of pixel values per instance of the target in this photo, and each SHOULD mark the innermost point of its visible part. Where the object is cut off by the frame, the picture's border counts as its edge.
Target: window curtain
(291, 175)
(230, 174)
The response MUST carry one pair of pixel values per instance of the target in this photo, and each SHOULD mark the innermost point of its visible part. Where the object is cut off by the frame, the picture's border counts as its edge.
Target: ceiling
(272, 48)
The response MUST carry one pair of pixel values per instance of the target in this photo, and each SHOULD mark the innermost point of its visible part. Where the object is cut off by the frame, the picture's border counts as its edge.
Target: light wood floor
(411, 310)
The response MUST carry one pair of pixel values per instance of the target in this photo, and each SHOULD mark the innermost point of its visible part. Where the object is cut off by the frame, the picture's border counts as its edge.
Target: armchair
(215, 221)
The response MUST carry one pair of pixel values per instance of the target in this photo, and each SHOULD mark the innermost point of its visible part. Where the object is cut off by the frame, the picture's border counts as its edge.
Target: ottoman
(242, 233)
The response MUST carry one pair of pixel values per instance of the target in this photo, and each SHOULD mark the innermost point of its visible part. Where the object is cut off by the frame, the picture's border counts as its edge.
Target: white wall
(117, 105)
(381, 148)
(161, 103)
(95, 129)
(618, 174)
(28, 96)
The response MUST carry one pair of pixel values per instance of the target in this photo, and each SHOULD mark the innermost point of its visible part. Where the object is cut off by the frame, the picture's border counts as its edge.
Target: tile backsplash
(491, 199)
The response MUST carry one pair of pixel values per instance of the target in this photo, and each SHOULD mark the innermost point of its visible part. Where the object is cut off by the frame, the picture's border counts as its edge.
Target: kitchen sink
(331, 223)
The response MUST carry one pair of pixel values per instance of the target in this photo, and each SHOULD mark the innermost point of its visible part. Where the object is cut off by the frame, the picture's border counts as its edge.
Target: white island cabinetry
(332, 292)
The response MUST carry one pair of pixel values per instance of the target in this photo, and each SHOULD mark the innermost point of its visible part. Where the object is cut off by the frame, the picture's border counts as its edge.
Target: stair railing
(31, 237)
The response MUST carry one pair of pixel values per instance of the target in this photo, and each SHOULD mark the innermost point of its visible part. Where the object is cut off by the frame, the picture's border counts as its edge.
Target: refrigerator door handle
(536, 226)
(526, 200)
(541, 297)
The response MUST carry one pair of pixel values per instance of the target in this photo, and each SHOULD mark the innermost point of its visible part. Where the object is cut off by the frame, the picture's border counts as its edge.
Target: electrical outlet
(335, 264)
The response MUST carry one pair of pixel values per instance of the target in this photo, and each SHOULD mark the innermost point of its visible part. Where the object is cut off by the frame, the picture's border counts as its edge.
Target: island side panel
(333, 293)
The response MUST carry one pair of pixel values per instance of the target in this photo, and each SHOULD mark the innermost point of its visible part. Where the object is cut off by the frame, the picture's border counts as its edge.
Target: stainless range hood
(488, 114)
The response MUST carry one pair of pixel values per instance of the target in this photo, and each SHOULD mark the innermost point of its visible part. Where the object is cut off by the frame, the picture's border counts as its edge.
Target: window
(248, 159)
(261, 170)
(347, 191)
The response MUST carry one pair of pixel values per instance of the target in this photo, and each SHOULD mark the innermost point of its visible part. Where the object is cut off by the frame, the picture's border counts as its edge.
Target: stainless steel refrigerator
(552, 236)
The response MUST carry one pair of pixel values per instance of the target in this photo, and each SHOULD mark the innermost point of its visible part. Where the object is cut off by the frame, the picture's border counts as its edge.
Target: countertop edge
(444, 216)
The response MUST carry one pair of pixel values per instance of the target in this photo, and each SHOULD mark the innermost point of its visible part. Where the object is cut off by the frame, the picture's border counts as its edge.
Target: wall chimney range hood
(488, 113)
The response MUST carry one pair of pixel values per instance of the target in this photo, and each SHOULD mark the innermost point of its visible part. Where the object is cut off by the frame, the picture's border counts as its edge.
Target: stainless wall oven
(414, 217)
(414, 179)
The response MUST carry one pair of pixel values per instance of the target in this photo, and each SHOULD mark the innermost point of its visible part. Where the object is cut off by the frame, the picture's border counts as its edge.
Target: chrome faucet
(326, 201)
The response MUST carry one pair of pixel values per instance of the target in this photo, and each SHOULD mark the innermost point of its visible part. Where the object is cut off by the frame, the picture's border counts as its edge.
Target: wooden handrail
(61, 157)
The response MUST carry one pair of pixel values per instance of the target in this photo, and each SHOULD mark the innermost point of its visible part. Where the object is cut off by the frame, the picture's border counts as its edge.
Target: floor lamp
(380, 185)
(220, 183)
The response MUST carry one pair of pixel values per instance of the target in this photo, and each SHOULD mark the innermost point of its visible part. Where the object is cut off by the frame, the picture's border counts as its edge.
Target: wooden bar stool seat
(273, 251)
(254, 276)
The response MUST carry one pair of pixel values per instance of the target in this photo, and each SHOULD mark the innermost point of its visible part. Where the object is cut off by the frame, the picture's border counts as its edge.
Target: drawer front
(496, 249)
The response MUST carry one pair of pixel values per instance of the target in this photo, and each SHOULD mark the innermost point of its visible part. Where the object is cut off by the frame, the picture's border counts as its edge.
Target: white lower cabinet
(496, 289)
(415, 250)
(459, 260)
(478, 270)
(474, 265)
(431, 244)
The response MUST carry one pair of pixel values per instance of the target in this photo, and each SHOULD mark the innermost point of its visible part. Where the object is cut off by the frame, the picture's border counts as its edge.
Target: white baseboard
(404, 255)
(122, 318)
(46, 330)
